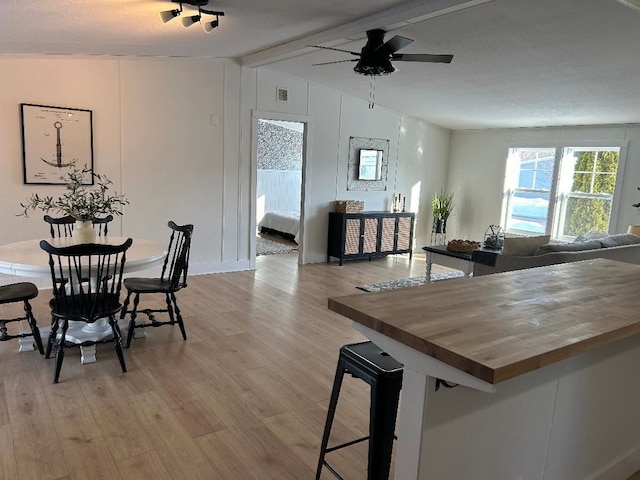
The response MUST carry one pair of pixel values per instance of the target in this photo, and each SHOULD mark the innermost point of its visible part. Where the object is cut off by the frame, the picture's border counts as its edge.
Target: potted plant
(441, 205)
(82, 202)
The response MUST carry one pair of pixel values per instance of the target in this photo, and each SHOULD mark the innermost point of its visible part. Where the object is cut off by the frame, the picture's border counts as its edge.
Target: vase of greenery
(82, 202)
(441, 205)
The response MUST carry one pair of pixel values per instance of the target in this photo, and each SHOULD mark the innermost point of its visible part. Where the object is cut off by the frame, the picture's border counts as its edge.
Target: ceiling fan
(376, 56)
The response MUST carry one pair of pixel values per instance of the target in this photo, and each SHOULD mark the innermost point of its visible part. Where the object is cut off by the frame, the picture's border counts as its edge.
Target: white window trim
(560, 146)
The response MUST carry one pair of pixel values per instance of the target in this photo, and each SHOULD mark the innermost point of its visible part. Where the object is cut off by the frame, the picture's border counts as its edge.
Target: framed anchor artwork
(54, 139)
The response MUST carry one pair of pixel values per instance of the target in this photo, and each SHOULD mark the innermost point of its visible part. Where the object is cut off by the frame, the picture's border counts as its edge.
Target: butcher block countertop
(497, 327)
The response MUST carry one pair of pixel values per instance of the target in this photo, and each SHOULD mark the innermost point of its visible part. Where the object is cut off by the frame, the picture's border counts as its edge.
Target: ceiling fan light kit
(187, 21)
(376, 56)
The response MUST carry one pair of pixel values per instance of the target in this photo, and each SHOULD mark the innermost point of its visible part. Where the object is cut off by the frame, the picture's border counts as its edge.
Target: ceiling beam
(401, 16)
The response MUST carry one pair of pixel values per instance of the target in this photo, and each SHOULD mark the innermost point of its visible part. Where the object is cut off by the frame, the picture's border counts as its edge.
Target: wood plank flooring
(244, 397)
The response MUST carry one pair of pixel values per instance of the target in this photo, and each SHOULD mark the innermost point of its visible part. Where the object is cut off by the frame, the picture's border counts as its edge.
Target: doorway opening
(279, 186)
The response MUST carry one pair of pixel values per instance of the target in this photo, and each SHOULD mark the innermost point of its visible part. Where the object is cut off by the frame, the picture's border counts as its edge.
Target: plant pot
(439, 226)
(83, 232)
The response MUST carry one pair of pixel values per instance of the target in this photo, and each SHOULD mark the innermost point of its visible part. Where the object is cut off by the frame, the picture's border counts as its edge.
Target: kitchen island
(543, 364)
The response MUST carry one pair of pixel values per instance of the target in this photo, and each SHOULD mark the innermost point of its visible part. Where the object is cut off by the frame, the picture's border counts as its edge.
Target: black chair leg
(117, 338)
(331, 411)
(35, 331)
(132, 320)
(52, 337)
(125, 306)
(172, 318)
(60, 351)
(178, 316)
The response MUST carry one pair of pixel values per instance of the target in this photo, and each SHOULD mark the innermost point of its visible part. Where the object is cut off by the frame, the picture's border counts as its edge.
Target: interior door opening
(279, 156)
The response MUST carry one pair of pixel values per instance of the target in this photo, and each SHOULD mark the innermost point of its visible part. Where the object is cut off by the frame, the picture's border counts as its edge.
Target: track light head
(190, 20)
(169, 15)
(209, 26)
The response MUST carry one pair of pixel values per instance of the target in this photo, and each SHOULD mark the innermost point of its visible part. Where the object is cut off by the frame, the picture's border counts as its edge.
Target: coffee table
(447, 258)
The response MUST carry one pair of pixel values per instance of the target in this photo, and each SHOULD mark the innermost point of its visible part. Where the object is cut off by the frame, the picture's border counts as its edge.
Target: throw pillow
(568, 247)
(619, 239)
(523, 246)
(591, 235)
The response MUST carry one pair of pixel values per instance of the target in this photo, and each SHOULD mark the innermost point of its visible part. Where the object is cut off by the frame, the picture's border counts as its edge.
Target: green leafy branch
(83, 202)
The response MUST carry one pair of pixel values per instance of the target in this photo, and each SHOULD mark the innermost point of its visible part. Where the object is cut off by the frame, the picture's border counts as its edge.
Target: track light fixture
(189, 20)
(170, 14)
(209, 26)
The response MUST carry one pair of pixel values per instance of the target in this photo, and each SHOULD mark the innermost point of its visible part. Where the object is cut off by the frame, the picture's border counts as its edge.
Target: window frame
(554, 212)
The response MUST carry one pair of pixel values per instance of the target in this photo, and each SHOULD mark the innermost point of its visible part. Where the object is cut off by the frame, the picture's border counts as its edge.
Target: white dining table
(27, 259)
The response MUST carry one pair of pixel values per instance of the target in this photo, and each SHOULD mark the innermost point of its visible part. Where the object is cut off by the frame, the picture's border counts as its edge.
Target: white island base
(578, 419)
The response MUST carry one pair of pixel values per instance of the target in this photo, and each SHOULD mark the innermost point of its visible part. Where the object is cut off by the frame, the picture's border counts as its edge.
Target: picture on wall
(368, 164)
(54, 139)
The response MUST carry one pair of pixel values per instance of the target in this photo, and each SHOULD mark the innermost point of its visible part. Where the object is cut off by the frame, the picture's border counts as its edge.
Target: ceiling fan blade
(337, 61)
(336, 49)
(393, 45)
(422, 57)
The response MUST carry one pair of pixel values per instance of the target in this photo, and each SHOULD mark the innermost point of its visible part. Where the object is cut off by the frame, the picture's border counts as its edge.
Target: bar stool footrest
(348, 444)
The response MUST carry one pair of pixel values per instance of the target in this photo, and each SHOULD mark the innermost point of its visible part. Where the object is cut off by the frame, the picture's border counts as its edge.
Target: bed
(286, 224)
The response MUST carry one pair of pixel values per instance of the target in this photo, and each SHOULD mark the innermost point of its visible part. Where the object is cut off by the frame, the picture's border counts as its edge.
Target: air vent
(282, 94)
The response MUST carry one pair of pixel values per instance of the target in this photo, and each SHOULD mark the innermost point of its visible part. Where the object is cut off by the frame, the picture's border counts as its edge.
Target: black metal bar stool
(384, 374)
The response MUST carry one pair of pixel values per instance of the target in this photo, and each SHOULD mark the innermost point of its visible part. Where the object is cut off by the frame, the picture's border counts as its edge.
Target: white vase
(83, 232)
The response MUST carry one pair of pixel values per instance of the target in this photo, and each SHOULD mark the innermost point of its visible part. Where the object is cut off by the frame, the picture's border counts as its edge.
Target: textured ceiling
(517, 63)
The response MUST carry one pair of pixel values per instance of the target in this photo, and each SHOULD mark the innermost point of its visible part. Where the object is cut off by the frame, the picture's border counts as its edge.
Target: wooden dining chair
(96, 296)
(172, 278)
(102, 225)
(15, 293)
(60, 226)
(63, 226)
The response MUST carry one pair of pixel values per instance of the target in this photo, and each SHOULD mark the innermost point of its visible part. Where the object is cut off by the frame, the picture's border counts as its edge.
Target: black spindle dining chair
(63, 226)
(14, 293)
(94, 297)
(172, 279)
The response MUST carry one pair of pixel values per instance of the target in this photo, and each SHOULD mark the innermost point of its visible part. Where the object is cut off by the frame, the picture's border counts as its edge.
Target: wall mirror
(370, 165)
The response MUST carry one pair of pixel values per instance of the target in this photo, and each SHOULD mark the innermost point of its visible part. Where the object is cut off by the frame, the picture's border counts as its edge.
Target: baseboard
(622, 468)
(204, 268)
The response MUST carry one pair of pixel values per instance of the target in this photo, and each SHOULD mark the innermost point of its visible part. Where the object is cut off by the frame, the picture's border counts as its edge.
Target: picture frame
(358, 145)
(53, 140)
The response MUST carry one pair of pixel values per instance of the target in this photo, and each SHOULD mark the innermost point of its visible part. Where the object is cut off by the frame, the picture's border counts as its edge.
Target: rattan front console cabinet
(369, 234)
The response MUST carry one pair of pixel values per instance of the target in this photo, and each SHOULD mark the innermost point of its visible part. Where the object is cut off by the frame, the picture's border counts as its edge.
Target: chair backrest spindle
(176, 263)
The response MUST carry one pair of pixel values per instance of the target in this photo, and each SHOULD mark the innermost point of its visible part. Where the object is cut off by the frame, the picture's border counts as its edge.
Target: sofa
(528, 252)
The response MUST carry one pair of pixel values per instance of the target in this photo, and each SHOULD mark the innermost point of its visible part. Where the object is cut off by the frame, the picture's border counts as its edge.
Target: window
(564, 192)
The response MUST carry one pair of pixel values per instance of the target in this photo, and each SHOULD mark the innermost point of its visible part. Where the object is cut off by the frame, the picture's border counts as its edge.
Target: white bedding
(286, 222)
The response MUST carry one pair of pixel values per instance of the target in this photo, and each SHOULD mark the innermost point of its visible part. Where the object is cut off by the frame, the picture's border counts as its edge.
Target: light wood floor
(243, 398)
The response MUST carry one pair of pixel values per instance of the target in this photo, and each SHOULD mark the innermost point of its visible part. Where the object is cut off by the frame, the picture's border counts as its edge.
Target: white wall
(417, 153)
(166, 132)
(278, 191)
(175, 135)
(477, 167)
